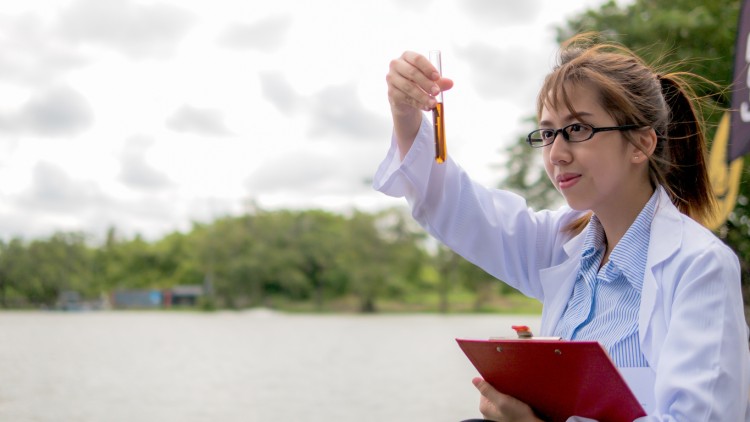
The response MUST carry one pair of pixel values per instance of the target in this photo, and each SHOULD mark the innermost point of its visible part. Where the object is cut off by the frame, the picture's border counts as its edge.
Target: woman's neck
(616, 220)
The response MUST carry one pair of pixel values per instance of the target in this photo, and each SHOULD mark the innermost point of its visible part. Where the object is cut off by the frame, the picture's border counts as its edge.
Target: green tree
(220, 250)
(13, 267)
(36, 273)
(447, 264)
(317, 239)
(380, 257)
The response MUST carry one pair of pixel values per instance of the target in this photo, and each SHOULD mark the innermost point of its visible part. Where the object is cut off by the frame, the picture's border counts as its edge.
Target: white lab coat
(691, 322)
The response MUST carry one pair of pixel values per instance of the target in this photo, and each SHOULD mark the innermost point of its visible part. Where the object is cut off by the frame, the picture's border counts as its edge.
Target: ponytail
(679, 161)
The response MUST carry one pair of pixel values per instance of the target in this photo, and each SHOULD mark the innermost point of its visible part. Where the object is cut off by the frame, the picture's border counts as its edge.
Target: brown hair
(632, 92)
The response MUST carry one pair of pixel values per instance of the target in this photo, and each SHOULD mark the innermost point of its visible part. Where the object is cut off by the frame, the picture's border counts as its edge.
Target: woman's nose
(558, 150)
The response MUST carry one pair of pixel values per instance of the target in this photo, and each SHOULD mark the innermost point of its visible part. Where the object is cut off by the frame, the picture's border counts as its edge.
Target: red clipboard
(557, 378)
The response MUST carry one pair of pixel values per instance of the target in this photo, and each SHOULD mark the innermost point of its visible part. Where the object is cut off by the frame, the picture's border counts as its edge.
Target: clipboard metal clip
(523, 331)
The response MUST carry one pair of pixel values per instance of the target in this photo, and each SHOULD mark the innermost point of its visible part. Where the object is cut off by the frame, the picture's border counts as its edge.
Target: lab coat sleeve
(702, 368)
(492, 228)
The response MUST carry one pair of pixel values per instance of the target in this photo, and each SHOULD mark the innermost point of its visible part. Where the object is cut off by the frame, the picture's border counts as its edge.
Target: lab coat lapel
(666, 235)
(557, 284)
(558, 281)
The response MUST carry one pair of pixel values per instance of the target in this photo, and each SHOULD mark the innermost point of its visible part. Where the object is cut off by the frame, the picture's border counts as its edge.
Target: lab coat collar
(666, 239)
(557, 283)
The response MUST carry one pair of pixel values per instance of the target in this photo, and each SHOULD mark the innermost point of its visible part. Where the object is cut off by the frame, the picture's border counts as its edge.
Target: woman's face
(598, 174)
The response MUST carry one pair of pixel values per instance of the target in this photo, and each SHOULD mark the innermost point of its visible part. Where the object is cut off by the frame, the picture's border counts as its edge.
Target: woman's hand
(499, 407)
(412, 84)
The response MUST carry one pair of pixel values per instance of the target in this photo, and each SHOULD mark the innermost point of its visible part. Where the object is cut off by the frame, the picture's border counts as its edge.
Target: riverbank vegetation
(308, 260)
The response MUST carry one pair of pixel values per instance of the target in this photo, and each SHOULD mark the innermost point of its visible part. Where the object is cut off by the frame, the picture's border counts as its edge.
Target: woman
(626, 262)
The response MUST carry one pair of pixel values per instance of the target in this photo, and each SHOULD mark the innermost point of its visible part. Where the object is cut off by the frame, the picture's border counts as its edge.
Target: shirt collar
(631, 252)
(593, 240)
(629, 256)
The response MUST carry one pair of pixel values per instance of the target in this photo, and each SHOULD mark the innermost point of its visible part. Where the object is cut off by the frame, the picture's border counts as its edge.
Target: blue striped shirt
(605, 302)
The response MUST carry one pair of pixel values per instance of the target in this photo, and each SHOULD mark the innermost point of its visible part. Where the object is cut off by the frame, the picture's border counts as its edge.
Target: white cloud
(339, 110)
(31, 52)
(265, 35)
(53, 112)
(136, 172)
(504, 13)
(138, 30)
(295, 173)
(415, 5)
(201, 121)
(494, 75)
(53, 190)
(277, 90)
(59, 111)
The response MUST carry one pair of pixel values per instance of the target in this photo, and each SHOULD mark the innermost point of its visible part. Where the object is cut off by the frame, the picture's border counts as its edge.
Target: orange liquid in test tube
(438, 113)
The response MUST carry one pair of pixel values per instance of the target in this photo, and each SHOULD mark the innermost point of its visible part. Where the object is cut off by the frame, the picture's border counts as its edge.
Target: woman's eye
(547, 134)
(575, 127)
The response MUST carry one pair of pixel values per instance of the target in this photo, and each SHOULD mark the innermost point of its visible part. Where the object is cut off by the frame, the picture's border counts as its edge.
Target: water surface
(239, 366)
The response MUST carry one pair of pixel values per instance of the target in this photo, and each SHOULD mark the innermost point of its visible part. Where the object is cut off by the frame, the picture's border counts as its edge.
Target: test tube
(438, 113)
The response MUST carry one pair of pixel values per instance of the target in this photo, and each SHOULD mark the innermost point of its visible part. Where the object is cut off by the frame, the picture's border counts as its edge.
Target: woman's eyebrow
(569, 118)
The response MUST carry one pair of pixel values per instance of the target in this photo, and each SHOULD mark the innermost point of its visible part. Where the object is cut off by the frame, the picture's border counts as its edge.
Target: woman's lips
(567, 180)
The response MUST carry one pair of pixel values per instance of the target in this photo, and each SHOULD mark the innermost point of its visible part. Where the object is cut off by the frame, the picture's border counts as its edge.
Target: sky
(148, 116)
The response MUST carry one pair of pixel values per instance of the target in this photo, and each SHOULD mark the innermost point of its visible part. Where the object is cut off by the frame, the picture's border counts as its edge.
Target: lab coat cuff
(399, 178)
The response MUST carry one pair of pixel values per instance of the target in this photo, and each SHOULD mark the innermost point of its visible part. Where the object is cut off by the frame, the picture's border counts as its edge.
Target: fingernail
(435, 90)
(435, 76)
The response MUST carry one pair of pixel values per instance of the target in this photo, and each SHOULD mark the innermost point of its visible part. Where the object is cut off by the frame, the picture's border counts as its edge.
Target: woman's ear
(645, 144)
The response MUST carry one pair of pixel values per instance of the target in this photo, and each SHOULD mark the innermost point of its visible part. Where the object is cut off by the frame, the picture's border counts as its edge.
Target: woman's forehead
(573, 100)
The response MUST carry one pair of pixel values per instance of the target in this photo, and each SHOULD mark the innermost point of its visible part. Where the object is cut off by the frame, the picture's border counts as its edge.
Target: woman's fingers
(407, 85)
(413, 81)
(501, 407)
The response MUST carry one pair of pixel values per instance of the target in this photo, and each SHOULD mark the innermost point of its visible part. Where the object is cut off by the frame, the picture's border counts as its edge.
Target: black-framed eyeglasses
(576, 132)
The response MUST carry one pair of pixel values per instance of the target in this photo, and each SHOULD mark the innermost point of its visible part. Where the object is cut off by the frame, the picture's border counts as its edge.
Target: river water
(239, 366)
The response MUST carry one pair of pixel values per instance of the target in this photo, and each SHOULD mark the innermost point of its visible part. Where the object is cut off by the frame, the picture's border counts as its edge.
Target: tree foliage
(259, 259)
